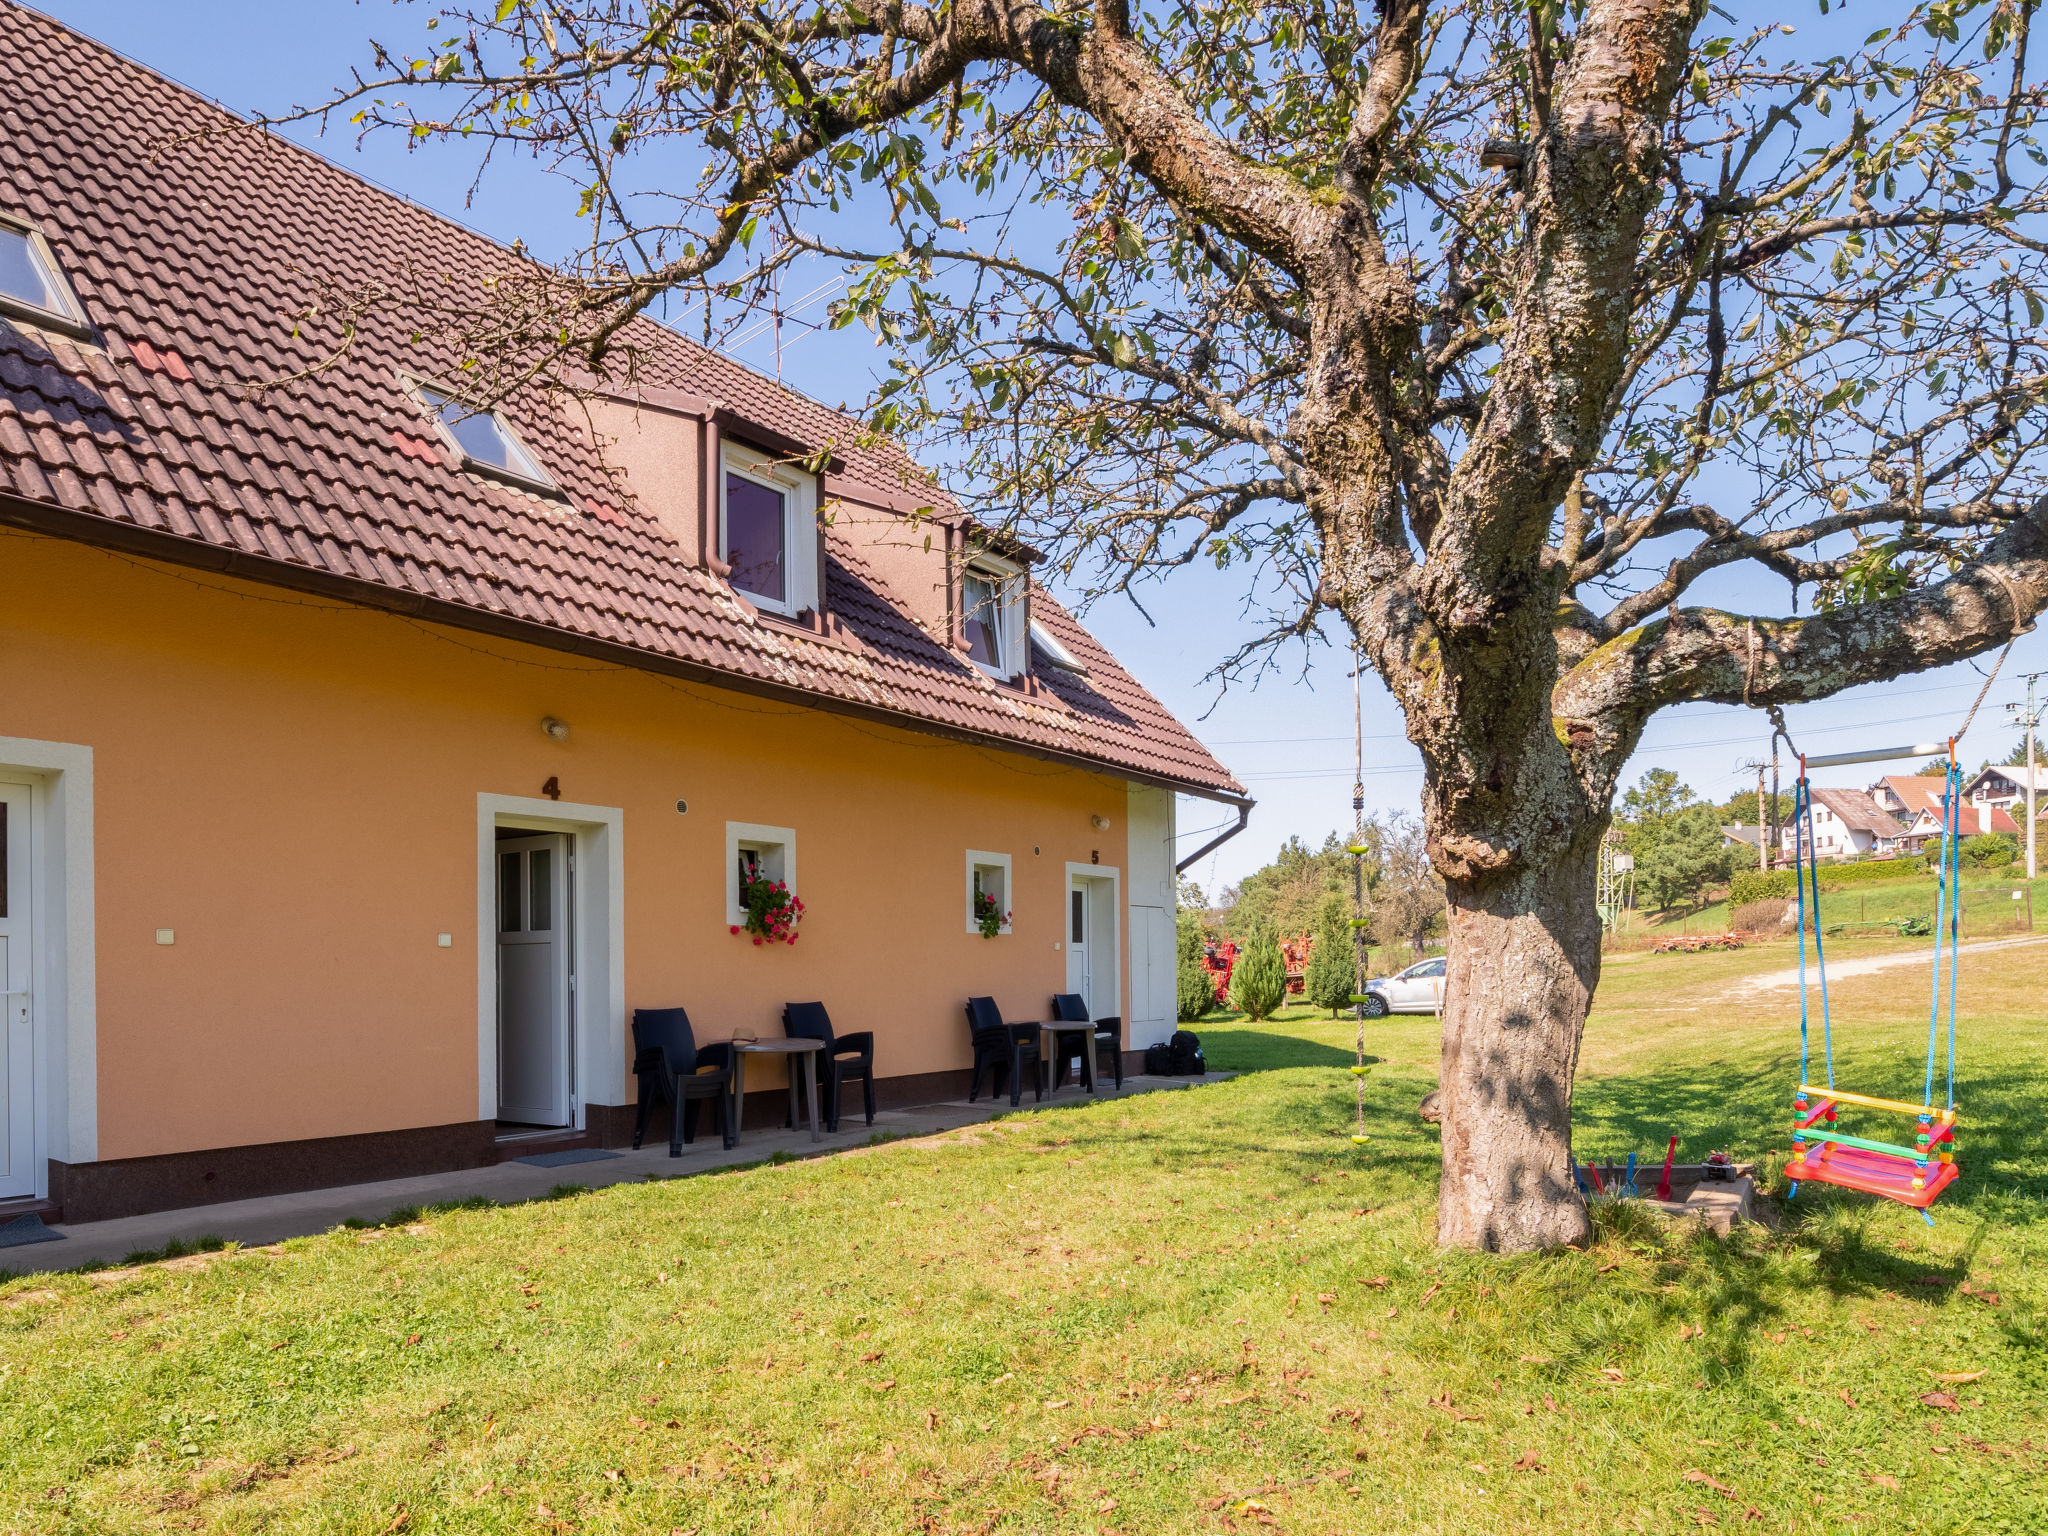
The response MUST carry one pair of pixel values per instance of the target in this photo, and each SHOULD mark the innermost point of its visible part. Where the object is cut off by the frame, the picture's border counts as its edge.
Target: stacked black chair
(1002, 1048)
(1109, 1037)
(672, 1066)
(844, 1058)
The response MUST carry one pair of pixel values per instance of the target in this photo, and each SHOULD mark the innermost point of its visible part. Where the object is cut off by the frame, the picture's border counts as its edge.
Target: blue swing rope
(1948, 913)
(1805, 861)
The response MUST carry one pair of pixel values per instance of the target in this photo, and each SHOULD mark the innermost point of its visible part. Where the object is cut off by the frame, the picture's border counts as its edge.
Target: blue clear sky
(1289, 738)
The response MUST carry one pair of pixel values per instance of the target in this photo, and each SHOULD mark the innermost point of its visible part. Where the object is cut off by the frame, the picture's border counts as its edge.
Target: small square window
(988, 891)
(484, 439)
(32, 285)
(755, 852)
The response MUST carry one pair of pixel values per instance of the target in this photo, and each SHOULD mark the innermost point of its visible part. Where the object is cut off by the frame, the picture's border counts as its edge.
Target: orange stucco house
(319, 700)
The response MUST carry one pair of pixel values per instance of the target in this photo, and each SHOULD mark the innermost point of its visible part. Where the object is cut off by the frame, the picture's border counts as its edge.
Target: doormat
(563, 1159)
(27, 1229)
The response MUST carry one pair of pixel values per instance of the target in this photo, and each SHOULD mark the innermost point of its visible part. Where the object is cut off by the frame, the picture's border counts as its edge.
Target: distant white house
(2005, 786)
(1850, 824)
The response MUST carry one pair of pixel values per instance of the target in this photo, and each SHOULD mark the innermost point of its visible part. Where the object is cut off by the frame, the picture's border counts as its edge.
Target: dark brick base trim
(134, 1185)
(130, 1186)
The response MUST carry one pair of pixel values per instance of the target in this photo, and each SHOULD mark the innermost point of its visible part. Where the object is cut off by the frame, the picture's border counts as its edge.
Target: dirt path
(1865, 965)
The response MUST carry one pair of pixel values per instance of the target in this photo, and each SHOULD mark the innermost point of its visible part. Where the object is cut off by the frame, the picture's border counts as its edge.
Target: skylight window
(484, 438)
(1048, 645)
(32, 285)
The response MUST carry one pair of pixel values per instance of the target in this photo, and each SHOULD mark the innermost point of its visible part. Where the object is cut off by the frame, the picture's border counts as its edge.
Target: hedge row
(1764, 885)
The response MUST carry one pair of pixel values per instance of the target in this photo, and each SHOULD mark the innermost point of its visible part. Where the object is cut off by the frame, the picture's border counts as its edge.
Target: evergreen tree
(1194, 987)
(1260, 980)
(1332, 963)
(1683, 858)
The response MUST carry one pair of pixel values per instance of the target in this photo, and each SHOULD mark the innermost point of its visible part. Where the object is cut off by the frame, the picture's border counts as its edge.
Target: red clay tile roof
(1922, 794)
(193, 260)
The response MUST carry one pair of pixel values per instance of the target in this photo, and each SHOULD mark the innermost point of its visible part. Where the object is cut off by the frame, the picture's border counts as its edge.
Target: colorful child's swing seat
(1914, 1176)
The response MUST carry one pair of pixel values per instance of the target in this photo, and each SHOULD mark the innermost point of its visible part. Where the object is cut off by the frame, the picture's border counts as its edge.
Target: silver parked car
(1419, 989)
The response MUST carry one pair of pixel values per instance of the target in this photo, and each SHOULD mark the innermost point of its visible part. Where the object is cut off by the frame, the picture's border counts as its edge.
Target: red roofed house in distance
(368, 757)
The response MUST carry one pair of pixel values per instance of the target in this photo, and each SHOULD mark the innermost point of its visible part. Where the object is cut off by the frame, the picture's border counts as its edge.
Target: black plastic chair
(1002, 1048)
(672, 1066)
(1109, 1037)
(844, 1058)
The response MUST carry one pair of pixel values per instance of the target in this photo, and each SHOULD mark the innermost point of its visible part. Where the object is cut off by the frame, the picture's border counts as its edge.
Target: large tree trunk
(1525, 955)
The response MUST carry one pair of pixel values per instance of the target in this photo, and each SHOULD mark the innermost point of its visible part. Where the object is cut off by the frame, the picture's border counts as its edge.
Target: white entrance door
(17, 1045)
(534, 980)
(1078, 977)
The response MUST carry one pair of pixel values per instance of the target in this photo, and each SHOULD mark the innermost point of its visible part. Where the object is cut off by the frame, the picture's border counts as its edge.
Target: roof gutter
(1244, 816)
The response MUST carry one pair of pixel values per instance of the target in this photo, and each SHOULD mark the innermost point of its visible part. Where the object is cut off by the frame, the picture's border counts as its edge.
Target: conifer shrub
(1260, 980)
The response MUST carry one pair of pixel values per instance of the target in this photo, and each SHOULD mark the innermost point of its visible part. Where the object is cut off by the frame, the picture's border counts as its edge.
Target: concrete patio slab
(272, 1218)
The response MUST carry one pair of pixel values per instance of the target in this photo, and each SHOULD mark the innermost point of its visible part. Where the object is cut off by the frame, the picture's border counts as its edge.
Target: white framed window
(992, 615)
(768, 530)
(482, 438)
(988, 876)
(32, 285)
(755, 852)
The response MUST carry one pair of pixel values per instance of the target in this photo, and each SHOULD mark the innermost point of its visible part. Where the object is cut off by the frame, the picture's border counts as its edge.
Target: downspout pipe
(1244, 816)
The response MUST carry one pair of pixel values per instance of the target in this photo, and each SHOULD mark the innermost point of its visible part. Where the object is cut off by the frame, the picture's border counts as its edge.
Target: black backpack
(1185, 1059)
(1158, 1061)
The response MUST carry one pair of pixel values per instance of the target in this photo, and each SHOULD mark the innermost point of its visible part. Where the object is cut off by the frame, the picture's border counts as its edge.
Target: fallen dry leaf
(1431, 1292)
(871, 1357)
(1377, 1282)
(886, 1386)
(1327, 1298)
(1704, 1480)
(1881, 1479)
(1941, 1400)
(1959, 1375)
(1527, 1462)
(1612, 1373)
(1989, 1298)
(1550, 1403)
(1105, 1506)
(1843, 1394)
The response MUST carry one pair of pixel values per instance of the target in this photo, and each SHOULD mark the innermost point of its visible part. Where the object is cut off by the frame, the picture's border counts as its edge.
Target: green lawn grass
(1202, 1311)
(1988, 907)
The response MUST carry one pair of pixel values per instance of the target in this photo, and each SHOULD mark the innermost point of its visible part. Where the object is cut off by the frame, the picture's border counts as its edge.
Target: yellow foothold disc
(1360, 1071)
(1359, 1141)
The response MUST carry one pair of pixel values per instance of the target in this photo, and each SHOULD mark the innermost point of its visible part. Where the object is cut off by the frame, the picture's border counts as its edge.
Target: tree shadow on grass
(1745, 1107)
(1268, 1050)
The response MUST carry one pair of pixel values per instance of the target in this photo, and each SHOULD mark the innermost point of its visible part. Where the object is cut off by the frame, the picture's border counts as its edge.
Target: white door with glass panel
(535, 982)
(1080, 977)
(17, 1043)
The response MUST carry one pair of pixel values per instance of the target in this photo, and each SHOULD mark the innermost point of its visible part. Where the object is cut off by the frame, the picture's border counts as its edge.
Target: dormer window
(992, 616)
(484, 439)
(32, 285)
(768, 530)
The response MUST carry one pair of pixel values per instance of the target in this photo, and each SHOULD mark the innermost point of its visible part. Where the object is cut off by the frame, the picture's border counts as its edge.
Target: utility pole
(1763, 831)
(2030, 721)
